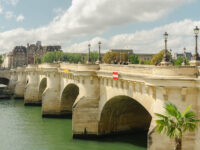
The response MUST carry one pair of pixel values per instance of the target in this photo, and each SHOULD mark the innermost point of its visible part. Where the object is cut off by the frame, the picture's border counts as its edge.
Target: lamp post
(128, 58)
(165, 52)
(89, 59)
(120, 61)
(184, 57)
(196, 32)
(196, 61)
(99, 51)
(165, 61)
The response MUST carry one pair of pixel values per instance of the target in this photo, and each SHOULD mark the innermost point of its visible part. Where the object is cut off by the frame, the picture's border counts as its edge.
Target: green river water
(23, 128)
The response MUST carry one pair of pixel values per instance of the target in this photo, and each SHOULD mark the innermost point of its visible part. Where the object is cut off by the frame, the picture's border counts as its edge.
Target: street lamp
(89, 59)
(128, 58)
(165, 61)
(165, 52)
(184, 57)
(99, 51)
(196, 32)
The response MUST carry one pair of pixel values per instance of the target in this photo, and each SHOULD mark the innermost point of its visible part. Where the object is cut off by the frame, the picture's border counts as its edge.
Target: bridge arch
(4, 81)
(68, 97)
(122, 114)
(42, 87)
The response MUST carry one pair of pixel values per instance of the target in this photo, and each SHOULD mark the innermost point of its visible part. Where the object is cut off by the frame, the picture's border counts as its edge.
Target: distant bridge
(102, 105)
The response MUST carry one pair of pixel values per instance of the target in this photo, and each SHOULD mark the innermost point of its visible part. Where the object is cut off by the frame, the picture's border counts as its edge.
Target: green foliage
(50, 57)
(72, 57)
(179, 61)
(134, 59)
(111, 57)
(159, 56)
(145, 62)
(93, 56)
(1, 59)
(37, 60)
(174, 123)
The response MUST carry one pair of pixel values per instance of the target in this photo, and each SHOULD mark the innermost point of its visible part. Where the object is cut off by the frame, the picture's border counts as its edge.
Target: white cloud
(20, 18)
(9, 15)
(1, 9)
(90, 18)
(147, 41)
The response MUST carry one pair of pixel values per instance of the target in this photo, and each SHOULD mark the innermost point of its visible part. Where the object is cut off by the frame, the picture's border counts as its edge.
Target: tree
(1, 59)
(37, 60)
(93, 56)
(175, 123)
(134, 59)
(159, 56)
(179, 61)
(58, 55)
(145, 62)
(111, 57)
(48, 57)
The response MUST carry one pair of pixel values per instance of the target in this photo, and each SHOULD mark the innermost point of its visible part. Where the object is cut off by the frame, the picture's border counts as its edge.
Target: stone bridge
(102, 106)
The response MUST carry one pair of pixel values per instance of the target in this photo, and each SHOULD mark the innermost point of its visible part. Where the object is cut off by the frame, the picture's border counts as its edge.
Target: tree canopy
(93, 56)
(179, 61)
(1, 59)
(159, 56)
(50, 57)
(111, 57)
(134, 59)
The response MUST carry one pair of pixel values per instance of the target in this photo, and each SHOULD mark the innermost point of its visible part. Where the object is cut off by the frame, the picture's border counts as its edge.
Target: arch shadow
(4, 81)
(42, 87)
(123, 115)
(68, 97)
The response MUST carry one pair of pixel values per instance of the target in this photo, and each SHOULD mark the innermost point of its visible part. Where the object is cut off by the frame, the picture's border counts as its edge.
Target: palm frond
(172, 110)
(174, 123)
(186, 110)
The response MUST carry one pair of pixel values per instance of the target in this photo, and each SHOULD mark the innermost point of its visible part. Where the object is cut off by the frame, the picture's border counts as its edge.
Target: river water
(23, 128)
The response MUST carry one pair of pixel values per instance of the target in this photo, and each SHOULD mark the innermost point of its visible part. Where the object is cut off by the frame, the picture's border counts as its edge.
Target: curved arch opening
(68, 97)
(4, 81)
(42, 87)
(122, 114)
(5, 92)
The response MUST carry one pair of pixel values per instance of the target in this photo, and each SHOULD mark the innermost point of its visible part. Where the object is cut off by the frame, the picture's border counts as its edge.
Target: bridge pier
(31, 91)
(85, 109)
(20, 84)
(13, 80)
(51, 95)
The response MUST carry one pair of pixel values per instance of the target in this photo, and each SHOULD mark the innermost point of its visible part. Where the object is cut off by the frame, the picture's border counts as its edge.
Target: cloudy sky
(135, 24)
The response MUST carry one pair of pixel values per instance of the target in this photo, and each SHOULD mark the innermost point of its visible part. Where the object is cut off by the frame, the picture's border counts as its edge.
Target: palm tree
(175, 123)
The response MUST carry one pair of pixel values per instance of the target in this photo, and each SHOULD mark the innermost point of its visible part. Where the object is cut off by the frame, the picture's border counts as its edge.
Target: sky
(118, 24)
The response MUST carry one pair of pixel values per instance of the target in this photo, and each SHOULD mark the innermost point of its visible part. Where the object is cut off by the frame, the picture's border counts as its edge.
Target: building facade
(22, 55)
(187, 54)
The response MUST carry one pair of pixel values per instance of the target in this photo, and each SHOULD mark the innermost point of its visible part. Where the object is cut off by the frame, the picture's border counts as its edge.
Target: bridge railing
(164, 71)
